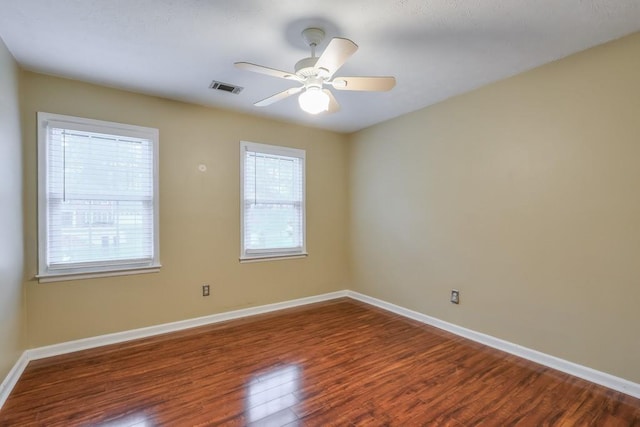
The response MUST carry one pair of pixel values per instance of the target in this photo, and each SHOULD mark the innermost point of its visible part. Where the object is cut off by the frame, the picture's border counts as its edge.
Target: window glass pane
(271, 226)
(99, 230)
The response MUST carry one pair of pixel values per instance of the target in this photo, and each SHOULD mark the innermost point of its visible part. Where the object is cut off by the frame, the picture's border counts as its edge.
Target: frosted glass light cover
(314, 100)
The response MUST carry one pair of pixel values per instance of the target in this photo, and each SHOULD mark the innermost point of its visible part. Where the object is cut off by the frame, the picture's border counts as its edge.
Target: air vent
(226, 87)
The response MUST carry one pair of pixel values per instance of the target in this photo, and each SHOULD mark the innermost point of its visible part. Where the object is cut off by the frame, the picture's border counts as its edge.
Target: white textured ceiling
(175, 48)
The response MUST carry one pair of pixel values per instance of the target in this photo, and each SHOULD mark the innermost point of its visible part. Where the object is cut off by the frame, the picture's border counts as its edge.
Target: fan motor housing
(305, 67)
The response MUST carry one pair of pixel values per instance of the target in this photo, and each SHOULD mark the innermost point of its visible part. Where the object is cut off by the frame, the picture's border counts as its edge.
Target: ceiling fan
(316, 72)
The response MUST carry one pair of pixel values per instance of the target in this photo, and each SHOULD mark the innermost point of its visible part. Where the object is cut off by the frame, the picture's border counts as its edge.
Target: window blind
(273, 201)
(100, 207)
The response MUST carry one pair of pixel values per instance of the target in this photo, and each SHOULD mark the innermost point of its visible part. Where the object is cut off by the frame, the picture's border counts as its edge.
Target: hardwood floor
(339, 363)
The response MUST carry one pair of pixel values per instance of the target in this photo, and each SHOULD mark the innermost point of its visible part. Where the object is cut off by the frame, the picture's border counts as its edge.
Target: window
(272, 197)
(97, 198)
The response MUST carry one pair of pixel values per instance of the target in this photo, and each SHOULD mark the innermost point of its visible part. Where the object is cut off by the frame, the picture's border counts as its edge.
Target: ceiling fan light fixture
(316, 72)
(313, 100)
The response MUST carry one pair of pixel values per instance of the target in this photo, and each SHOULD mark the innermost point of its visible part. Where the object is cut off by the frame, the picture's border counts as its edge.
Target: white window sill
(48, 278)
(263, 258)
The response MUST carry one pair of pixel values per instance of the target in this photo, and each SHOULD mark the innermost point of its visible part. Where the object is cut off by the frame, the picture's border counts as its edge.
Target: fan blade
(266, 70)
(364, 83)
(333, 103)
(336, 54)
(278, 96)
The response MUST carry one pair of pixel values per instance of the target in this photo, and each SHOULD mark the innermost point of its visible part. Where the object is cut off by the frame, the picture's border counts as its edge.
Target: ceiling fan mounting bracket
(313, 36)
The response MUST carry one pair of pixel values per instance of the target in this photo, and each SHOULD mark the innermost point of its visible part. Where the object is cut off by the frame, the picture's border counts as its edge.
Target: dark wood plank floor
(337, 363)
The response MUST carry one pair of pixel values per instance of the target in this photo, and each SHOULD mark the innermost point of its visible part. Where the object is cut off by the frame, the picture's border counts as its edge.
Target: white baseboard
(580, 371)
(592, 375)
(119, 337)
(12, 377)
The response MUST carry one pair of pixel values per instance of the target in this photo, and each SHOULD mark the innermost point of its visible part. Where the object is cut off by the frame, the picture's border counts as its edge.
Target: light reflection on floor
(271, 396)
(133, 420)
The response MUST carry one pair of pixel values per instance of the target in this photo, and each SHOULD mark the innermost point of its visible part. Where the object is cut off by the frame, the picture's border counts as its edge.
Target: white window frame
(91, 270)
(271, 254)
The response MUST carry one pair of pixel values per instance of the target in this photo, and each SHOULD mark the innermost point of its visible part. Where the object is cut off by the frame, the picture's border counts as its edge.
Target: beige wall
(199, 217)
(11, 248)
(525, 196)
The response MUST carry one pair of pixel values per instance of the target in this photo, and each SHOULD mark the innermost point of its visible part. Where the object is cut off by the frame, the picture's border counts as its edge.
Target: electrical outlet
(455, 296)
(205, 290)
